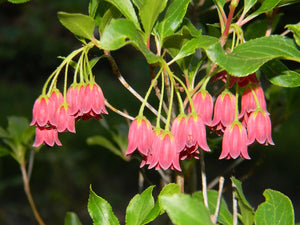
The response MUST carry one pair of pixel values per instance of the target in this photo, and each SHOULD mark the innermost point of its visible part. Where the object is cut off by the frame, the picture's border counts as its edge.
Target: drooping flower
(178, 130)
(248, 103)
(44, 135)
(224, 111)
(195, 132)
(42, 111)
(203, 104)
(234, 142)
(56, 99)
(163, 154)
(64, 121)
(139, 136)
(259, 128)
(73, 98)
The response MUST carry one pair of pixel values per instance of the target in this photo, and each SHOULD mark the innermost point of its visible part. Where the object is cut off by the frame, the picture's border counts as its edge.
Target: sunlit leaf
(79, 24)
(18, 1)
(100, 210)
(295, 28)
(248, 5)
(266, 6)
(277, 209)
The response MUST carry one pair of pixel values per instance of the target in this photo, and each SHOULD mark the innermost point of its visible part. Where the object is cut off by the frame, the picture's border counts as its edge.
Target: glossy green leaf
(248, 5)
(18, 1)
(287, 2)
(100, 210)
(157, 210)
(138, 3)
(171, 19)
(295, 28)
(224, 216)
(149, 13)
(110, 14)
(278, 74)
(250, 56)
(266, 6)
(79, 24)
(185, 210)
(247, 212)
(122, 32)
(140, 207)
(93, 7)
(104, 142)
(277, 209)
(126, 8)
(72, 219)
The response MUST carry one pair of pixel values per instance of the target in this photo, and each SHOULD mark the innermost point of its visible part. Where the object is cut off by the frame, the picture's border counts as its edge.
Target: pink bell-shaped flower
(163, 154)
(56, 99)
(73, 98)
(178, 130)
(64, 121)
(139, 136)
(248, 103)
(235, 142)
(195, 132)
(203, 104)
(224, 111)
(259, 128)
(48, 136)
(42, 111)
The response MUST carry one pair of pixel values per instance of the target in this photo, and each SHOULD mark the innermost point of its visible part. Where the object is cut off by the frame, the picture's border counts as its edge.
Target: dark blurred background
(31, 38)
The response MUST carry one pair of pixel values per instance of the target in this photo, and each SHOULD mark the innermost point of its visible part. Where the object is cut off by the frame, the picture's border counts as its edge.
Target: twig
(180, 181)
(215, 216)
(203, 176)
(118, 111)
(29, 196)
(234, 205)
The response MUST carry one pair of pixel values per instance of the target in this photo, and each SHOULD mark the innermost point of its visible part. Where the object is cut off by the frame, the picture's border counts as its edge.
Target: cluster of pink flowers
(55, 113)
(164, 149)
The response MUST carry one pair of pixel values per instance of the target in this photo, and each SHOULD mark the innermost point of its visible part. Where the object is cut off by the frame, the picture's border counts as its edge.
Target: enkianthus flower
(139, 136)
(163, 154)
(259, 128)
(203, 104)
(64, 121)
(56, 99)
(178, 130)
(42, 112)
(224, 111)
(44, 135)
(235, 142)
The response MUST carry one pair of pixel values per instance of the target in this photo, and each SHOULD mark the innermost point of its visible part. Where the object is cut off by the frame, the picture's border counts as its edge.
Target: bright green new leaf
(277, 209)
(185, 210)
(110, 14)
(126, 8)
(266, 6)
(221, 3)
(278, 74)
(149, 12)
(72, 219)
(295, 28)
(18, 1)
(93, 6)
(157, 210)
(139, 207)
(250, 56)
(248, 5)
(138, 3)
(224, 216)
(122, 32)
(247, 212)
(79, 24)
(171, 19)
(100, 210)
(104, 142)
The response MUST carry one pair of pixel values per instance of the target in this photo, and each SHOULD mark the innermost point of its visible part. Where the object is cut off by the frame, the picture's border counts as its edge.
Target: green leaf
(149, 13)
(79, 24)
(221, 3)
(72, 219)
(266, 6)
(18, 128)
(104, 142)
(4, 151)
(157, 210)
(278, 74)
(248, 5)
(126, 8)
(138, 3)
(184, 210)
(172, 18)
(18, 1)
(122, 32)
(250, 56)
(295, 28)
(93, 7)
(139, 207)
(277, 209)
(224, 216)
(100, 210)
(247, 212)
(110, 14)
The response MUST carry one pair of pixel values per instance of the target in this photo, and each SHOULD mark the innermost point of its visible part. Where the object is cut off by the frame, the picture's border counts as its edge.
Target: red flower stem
(203, 178)
(232, 8)
(29, 196)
